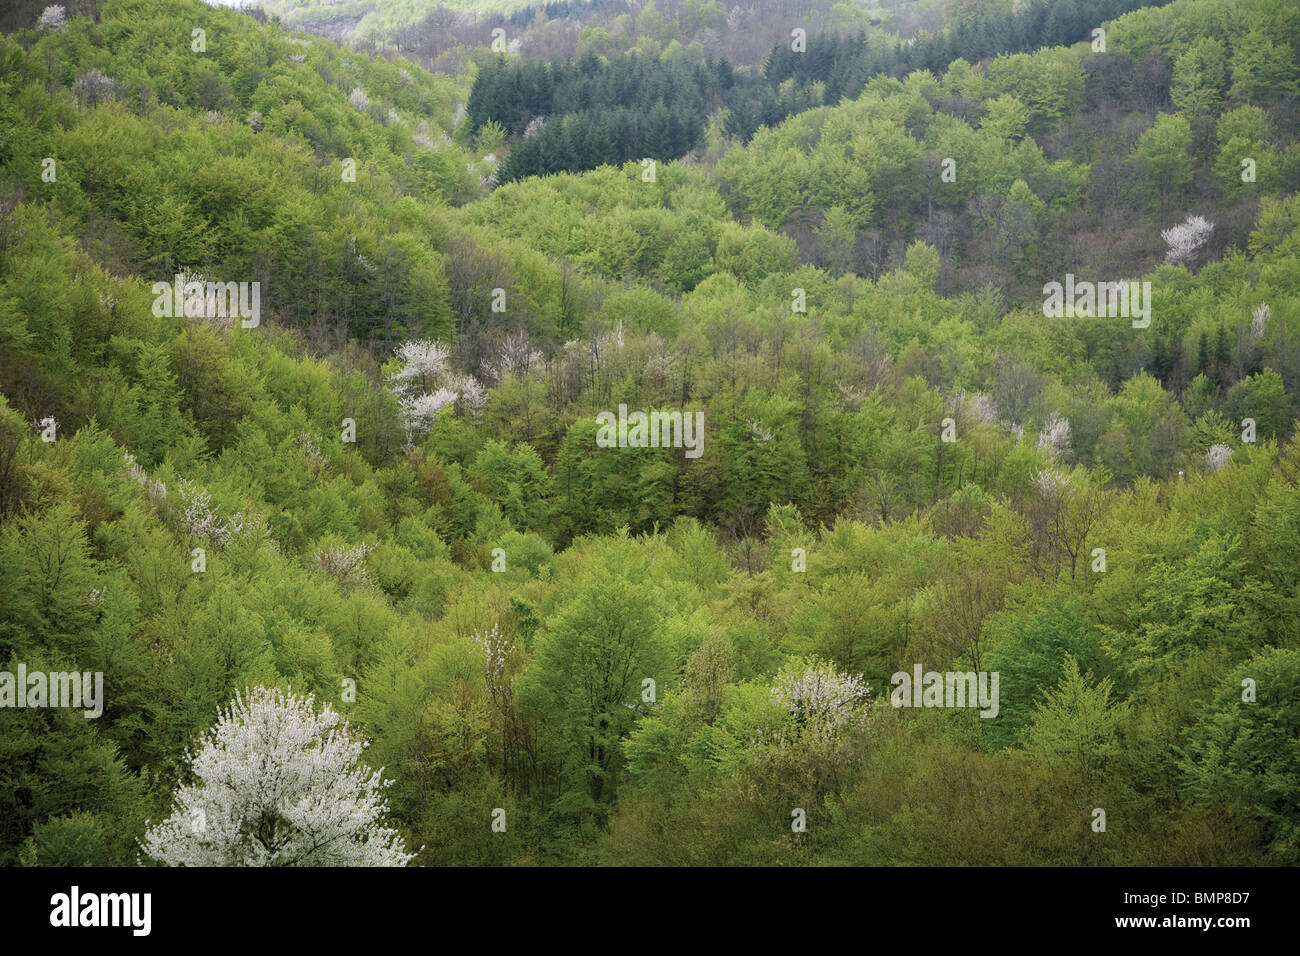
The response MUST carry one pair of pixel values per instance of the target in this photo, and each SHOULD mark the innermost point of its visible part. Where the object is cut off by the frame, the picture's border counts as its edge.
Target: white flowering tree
(1259, 321)
(1050, 482)
(1054, 439)
(470, 395)
(1186, 239)
(497, 649)
(516, 355)
(202, 521)
(819, 697)
(824, 727)
(346, 565)
(420, 412)
(53, 18)
(154, 489)
(423, 363)
(425, 384)
(278, 784)
(1217, 456)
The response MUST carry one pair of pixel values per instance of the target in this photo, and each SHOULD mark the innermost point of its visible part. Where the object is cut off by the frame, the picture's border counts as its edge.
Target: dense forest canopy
(392, 487)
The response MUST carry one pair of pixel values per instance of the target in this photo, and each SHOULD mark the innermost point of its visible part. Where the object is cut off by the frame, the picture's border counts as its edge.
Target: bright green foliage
(1243, 751)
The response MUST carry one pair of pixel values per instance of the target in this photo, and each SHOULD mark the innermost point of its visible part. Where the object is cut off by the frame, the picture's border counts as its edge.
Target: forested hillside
(392, 488)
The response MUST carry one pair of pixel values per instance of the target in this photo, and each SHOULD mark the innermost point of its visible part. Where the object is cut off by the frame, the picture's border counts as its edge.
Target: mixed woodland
(465, 255)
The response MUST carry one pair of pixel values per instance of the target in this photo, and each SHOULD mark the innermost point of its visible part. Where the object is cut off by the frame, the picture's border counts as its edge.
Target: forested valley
(386, 473)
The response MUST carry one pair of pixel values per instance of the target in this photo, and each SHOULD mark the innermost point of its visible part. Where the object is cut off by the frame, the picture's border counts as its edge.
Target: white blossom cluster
(488, 179)
(154, 490)
(425, 385)
(276, 784)
(978, 407)
(420, 411)
(470, 394)
(1217, 456)
(350, 247)
(1054, 439)
(359, 99)
(1050, 482)
(197, 515)
(311, 448)
(423, 362)
(1259, 321)
(53, 18)
(496, 649)
(345, 565)
(515, 356)
(200, 520)
(820, 695)
(93, 87)
(1186, 239)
